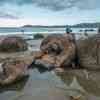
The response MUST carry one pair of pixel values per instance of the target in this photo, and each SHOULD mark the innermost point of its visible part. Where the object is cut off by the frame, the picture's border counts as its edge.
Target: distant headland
(81, 25)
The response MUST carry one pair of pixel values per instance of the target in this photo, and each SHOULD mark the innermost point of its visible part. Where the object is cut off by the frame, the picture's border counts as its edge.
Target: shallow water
(51, 85)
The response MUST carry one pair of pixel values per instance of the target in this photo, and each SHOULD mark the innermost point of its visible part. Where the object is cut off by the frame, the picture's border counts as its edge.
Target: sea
(28, 32)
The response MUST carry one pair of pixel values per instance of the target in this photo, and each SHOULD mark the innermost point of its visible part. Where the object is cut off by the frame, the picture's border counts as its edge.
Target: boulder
(12, 44)
(89, 52)
(12, 70)
(62, 51)
(56, 51)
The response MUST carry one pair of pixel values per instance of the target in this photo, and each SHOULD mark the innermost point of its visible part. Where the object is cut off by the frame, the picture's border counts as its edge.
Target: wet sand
(54, 86)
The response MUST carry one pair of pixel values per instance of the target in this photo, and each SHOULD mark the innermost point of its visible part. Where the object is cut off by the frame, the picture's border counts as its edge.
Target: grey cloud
(18, 2)
(7, 16)
(57, 5)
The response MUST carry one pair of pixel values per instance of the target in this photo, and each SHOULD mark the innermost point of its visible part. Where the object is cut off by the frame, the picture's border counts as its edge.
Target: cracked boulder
(12, 70)
(89, 52)
(56, 51)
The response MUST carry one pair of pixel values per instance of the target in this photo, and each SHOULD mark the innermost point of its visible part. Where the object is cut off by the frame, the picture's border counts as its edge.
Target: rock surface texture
(56, 51)
(62, 51)
(14, 67)
(89, 52)
(12, 44)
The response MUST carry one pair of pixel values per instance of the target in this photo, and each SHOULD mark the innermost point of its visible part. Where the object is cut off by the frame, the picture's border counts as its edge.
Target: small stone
(75, 97)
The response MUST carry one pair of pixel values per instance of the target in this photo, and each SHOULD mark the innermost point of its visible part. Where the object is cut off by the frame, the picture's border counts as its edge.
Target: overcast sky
(48, 12)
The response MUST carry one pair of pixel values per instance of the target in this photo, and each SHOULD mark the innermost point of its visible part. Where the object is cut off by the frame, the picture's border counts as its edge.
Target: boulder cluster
(64, 51)
(56, 51)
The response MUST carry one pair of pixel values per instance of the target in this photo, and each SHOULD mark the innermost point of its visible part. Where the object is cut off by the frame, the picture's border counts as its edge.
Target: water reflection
(87, 82)
(50, 85)
(16, 86)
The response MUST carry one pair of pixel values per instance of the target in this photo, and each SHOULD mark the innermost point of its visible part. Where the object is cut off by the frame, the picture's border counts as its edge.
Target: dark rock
(99, 30)
(12, 44)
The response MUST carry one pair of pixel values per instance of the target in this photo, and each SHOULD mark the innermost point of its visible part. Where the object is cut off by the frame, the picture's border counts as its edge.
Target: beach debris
(12, 44)
(12, 70)
(56, 51)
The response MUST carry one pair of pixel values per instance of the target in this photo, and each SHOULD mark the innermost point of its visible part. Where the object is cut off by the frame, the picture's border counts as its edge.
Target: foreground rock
(56, 51)
(12, 44)
(14, 68)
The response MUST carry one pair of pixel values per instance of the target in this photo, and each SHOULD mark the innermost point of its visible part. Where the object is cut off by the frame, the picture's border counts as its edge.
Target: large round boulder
(15, 66)
(89, 52)
(12, 44)
(56, 51)
(12, 69)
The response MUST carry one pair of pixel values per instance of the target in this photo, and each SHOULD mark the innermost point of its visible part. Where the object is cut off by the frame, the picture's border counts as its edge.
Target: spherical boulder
(12, 70)
(89, 52)
(12, 44)
(56, 51)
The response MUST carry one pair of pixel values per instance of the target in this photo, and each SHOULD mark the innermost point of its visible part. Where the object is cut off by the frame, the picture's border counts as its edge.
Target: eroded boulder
(89, 52)
(56, 51)
(11, 70)
(12, 44)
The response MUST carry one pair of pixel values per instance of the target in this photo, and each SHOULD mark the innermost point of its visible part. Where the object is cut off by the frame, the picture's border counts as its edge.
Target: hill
(81, 25)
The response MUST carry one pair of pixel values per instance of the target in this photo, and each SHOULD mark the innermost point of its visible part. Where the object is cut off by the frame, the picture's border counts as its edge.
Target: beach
(49, 49)
(50, 85)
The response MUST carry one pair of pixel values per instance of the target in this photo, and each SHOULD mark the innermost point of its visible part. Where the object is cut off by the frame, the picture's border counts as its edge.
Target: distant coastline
(80, 25)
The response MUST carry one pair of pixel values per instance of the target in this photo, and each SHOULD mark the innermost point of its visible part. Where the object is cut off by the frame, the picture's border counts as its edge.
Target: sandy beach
(50, 85)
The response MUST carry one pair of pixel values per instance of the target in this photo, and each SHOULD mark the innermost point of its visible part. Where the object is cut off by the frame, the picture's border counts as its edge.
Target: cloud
(7, 16)
(57, 5)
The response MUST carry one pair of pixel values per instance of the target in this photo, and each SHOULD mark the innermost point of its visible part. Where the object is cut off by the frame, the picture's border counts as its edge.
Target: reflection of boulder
(56, 51)
(89, 52)
(17, 86)
(66, 77)
(12, 69)
(12, 44)
(91, 83)
(87, 85)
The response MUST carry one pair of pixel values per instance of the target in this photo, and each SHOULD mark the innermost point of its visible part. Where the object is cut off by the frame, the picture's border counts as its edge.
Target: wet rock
(1, 69)
(56, 51)
(12, 70)
(12, 44)
(89, 52)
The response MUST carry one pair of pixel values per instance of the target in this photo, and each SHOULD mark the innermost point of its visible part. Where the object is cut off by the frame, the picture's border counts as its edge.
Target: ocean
(29, 32)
